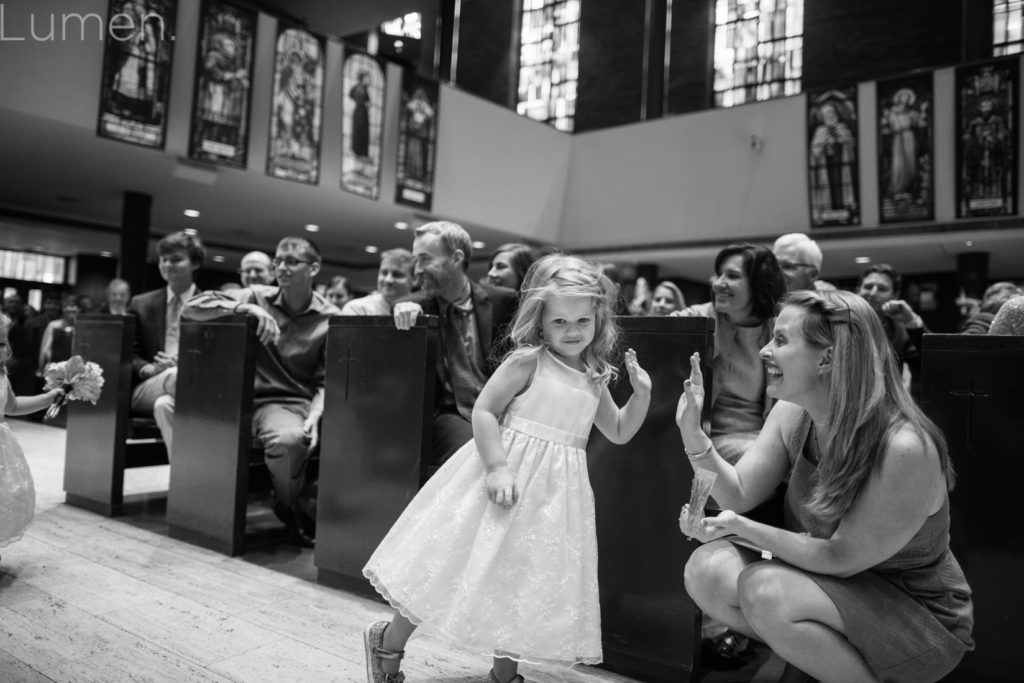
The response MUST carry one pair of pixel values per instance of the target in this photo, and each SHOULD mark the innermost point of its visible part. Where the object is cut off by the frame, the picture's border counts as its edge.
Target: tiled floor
(87, 598)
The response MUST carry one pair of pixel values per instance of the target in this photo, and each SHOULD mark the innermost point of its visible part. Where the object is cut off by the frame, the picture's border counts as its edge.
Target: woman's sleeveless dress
(17, 491)
(519, 582)
(910, 616)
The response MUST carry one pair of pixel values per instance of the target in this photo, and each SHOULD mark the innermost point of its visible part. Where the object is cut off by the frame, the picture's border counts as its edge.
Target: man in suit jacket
(157, 314)
(474, 318)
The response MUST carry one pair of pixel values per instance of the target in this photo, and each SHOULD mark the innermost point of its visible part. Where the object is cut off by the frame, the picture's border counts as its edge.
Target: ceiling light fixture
(312, 227)
(370, 249)
(862, 259)
(190, 231)
(218, 258)
(106, 254)
(191, 213)
(401, 225)
(479, 245)
(969, 243)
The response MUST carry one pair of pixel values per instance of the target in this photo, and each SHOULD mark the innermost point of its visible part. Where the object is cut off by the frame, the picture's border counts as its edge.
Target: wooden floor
(87, 598)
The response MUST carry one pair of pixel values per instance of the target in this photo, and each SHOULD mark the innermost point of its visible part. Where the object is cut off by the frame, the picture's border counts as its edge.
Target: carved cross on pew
(348, 360)
(970, 395)
(194, 351)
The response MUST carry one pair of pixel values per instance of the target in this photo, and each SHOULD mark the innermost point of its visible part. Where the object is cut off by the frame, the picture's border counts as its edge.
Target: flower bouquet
(81, 381)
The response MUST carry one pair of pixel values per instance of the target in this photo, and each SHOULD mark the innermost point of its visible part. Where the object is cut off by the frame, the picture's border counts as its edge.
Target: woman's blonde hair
(866, 399)
(569, 276)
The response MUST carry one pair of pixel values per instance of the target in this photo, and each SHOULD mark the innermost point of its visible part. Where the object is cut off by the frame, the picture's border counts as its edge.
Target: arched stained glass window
(549, 47)
(758, 50)
(1006, 27)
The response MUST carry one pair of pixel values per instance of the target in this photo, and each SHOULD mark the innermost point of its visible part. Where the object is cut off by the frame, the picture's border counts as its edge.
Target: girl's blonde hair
(568, 276)
(866, 398)
(6, 323)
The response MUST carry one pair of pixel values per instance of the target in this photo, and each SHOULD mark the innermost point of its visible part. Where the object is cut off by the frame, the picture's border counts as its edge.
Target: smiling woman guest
(746, 287)
(508, 265)
(859, 584)
(394, 281)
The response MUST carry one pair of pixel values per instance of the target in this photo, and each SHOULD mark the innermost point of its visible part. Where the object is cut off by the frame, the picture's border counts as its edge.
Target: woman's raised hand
(692, 400)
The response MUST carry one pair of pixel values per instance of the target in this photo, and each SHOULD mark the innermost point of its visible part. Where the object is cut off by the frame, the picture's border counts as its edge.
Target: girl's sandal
(373, 639)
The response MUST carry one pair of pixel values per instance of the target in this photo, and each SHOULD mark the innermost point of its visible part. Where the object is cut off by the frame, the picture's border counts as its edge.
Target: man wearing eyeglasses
(256, 269)
(800, 259)
(288, 395)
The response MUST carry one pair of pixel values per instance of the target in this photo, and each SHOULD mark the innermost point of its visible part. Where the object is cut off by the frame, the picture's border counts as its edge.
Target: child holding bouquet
(17, 491)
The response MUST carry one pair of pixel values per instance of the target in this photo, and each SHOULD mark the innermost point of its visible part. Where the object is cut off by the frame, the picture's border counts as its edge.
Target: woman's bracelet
(699, 456)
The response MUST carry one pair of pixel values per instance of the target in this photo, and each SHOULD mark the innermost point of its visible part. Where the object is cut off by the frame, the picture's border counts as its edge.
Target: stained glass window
(25, 265)
(406, 26)
(1006, 27)
(758, 50)
(549, 61)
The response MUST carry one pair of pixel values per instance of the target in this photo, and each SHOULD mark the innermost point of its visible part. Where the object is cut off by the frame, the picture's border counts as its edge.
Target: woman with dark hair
(746, 287)
(508, 265)
(858, 583)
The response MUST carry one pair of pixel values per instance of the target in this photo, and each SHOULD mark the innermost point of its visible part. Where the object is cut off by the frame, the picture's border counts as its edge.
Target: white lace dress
(17, 491)
(518, 583)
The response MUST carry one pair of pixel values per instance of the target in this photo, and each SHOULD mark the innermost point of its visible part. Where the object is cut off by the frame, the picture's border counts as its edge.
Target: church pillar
(134, 239)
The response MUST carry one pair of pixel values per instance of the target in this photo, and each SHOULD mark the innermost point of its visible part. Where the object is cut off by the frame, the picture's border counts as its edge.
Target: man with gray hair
(473, 321)
(800, 259)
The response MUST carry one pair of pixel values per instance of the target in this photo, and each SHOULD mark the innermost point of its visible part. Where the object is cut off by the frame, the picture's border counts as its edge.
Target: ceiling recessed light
(370, 249)
(312, 227)
(106, 254)
(218, 258)
(190, 231)
(862, 259)
(969, 243)
(479, 245)
(401, 225)
(191, 213)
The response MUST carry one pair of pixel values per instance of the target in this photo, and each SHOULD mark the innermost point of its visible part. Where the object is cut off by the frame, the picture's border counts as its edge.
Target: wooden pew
(378, 410)
(215, 463)
(971, 387)
(104, 439)
(650, 626)
(377, 423)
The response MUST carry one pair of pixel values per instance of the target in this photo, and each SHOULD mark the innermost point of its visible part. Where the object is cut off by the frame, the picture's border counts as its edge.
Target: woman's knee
(710, 570)
(765, 595)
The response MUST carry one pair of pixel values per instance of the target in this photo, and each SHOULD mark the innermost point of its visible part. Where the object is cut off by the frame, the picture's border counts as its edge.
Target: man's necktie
(465, 383)
(173, 318)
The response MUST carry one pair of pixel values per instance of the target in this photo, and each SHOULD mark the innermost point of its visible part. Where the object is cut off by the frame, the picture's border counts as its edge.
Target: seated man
(256, 269)
(800, 259)
(289, 385)
(157, 314)
(394, 282)
(473, 321)
(118, 293)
